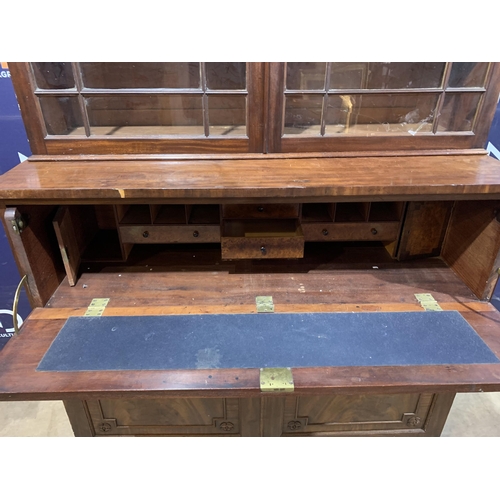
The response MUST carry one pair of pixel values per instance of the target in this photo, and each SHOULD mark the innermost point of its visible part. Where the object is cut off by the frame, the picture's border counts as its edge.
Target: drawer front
(358, 231)
(262, 248)
(170, 234)
(173, 416)
(262, 211)
(375, 414)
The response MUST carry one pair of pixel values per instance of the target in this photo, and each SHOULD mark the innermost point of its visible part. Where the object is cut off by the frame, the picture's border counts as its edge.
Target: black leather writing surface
(265, 340)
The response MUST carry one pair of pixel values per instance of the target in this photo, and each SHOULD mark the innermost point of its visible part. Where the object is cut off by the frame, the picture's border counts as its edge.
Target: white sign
(8, 332)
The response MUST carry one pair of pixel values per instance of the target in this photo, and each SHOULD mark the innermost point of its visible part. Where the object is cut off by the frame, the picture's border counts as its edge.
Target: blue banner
(14, 147)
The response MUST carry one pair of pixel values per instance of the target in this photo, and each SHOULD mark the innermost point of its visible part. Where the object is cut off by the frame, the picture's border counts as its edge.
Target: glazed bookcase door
(141, 108)
(380, 106)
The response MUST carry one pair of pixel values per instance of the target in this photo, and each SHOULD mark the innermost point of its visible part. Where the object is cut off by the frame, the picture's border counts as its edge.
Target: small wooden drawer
(351, 231)
(270, 239)
(263, 211)
(170, 234)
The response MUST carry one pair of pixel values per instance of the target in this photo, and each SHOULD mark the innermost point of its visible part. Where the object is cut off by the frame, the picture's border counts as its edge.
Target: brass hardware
(413, 421)
(15, 306)
(276, 380)
(18, 224)
(373, 230)
(226, 426)
(294, 425)
(263, 250)
(325, 232)
(264, 304)
(105, 427)
(96, 307)
(428, 302)
(196, 234)
(145, 234)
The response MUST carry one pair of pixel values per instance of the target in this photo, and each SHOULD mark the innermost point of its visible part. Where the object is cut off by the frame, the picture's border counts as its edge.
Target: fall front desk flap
(265, 340)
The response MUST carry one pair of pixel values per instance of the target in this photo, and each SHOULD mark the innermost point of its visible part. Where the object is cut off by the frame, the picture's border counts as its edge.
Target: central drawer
(262, 239)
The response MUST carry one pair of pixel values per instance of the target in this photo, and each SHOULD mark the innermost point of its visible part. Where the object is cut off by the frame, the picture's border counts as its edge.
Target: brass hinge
(96, 307)
(428, 302)
(264, 304)
(18, 223)
(276, 380)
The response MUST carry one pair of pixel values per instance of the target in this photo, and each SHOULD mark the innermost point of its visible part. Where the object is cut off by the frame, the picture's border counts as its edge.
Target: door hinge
(428, 302)
(264, 304)
(276, 380)
(96, 307)
(19, 223)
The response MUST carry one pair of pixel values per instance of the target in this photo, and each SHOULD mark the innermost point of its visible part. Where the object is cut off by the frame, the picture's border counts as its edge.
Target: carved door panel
(173, 416)
(362, 415)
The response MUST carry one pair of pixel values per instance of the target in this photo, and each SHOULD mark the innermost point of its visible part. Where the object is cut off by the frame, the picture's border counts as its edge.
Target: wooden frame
(437, 140)
(42, 143)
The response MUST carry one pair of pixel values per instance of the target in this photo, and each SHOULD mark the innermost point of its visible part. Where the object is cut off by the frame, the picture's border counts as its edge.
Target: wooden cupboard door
(142, 108)
(370, 106)
(169, 417)
(393, 414)
(35, 249)
(68, 243)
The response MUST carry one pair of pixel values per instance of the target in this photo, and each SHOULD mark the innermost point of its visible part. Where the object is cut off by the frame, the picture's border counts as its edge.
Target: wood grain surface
(178, 292)
(254, 181)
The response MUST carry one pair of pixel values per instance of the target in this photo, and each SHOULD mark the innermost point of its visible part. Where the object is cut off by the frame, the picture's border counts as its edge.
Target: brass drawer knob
(374, 231)
(145, 234)
(263, 250)
(196, 234)
(325, 232)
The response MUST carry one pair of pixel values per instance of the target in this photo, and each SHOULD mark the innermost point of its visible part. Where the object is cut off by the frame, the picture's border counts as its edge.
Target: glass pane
(226, 76)
(458, 111)
(386, 75)
(305, 76)
(467, 74)
(53, 75)
(145, 115)
(62, 115)
(227, 114)
(126, 75)
(303, 114)
(374, 114)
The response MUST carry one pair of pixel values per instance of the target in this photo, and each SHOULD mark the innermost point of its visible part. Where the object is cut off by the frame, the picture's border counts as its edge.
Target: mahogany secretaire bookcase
(255, 249)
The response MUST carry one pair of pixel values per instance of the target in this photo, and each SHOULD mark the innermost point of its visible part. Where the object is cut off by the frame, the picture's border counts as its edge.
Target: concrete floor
(471, 415)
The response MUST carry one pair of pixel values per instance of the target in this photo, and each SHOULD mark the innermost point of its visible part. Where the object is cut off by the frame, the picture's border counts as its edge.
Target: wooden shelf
(203, 214)
(223, 181)
(170, 214)
(386, 211)
(137, 214)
